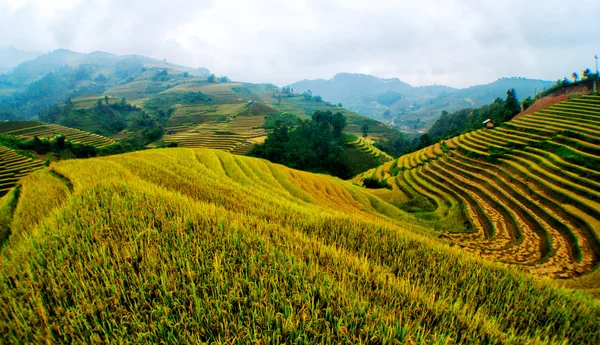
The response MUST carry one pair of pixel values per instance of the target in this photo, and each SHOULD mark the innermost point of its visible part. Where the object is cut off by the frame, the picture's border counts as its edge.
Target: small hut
(487, 124)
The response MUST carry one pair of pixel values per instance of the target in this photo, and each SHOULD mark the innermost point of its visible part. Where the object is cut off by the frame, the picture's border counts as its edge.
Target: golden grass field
(197, 245)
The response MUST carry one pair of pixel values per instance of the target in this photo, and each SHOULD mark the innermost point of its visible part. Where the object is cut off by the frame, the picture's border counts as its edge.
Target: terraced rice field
(366, 145)
(237, 134)
(202, 246)
(13, 167)
(535, 205)
(30, 129)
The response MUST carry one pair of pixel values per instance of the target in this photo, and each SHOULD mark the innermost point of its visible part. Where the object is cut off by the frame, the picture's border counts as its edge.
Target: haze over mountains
(372, 96)
(11, 57)
(40, 65)
(388, 100)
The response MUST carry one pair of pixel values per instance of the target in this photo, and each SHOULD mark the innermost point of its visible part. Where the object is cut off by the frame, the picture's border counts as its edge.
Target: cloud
(458, 43)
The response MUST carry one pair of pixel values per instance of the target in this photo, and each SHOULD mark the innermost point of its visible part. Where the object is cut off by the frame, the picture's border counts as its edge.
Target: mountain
(113, 66)
(347, 86)
(403, 105)
(142, 101)
(10, 57)
(63, 74)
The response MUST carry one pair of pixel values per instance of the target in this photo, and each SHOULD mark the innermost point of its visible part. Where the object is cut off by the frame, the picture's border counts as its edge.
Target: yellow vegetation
(191, 246)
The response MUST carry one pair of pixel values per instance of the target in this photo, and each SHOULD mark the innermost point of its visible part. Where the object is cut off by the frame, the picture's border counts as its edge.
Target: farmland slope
(528, 191)
(31, 129)
(198, 245)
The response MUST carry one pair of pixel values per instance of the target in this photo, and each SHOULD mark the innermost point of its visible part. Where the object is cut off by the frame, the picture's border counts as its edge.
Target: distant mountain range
(112, 66)
(394, 100)
(10, 57)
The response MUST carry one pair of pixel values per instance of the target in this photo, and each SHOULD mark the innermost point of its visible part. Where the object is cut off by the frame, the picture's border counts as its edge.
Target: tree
(307, 95)
(512, 103)
(575, 77)
(59, 140)
(106, 100)
(365, 129)
(318, 98)
(50, 114)
(315, 145)
(127, 67)
(338, 122)
(424, 140)
(211, 78)
(587, 73)
(223, 79)
(527, 102)
(186, 74)
(340, 105)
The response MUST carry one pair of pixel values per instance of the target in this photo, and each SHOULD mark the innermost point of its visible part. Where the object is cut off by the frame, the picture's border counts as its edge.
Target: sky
(445, 42)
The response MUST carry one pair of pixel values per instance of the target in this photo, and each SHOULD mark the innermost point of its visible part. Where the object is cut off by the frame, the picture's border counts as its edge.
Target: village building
(488, 124)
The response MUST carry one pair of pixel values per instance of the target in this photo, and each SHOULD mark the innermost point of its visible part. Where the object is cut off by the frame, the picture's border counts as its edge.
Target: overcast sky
(450, 42)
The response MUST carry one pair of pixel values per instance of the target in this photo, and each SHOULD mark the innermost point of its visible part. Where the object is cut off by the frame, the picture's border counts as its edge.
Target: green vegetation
(164, 101)
(58, 146)
(588, 79)
(107, 118)
(32, 129)
(62, 75)
(396, 144)
(289, 120)
(55, 87)
(315, 145)
(466, 120)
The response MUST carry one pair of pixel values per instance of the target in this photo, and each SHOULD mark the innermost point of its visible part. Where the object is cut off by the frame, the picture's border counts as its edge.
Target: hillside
(115, 67)
(204, 246)
(63, 74)
(528, 191)
(226, 120)
(411, 107)
(147, 102)
(41, 130)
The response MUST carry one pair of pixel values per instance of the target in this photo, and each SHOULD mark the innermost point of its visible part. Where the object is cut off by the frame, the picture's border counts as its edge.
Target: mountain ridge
(10, 57)
(420, 105)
